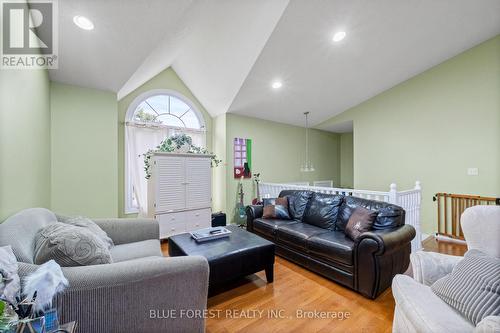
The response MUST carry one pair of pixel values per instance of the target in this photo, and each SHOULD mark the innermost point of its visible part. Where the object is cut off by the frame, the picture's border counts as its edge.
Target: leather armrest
(379, 256)
(253, 212)
(389, 240)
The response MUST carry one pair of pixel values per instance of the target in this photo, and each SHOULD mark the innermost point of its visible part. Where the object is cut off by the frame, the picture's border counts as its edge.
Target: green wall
(277, 153)
(167, 79)
(219, 173)
(24, 140)
(346, 160)
(84, 151)
(432, 128)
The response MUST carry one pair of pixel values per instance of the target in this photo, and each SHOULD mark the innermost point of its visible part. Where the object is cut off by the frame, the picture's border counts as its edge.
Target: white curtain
(199, 138)
(138, 141)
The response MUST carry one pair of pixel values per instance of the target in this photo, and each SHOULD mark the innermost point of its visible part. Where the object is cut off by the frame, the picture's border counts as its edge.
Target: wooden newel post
(417, 185)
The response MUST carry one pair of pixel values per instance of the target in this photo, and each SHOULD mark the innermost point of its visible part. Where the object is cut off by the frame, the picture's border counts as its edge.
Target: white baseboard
(449, 239)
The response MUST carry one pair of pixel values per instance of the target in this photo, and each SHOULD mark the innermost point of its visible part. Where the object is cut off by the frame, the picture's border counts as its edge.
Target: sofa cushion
(69, 246)
(473, 287)
(270, 226)
(297, 202)
(389, 216)
(333, 245)
(142, 249)
(296, 235)
(322, 210)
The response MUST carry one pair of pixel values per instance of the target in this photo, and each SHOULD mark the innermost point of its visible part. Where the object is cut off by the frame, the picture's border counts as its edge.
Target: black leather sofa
(315, 239)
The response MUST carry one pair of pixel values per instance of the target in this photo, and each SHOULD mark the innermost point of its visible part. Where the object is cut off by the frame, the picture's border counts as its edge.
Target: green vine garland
(173, 144)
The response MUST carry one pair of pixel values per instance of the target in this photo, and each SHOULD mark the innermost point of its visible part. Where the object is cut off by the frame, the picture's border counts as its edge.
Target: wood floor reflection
(252, 305)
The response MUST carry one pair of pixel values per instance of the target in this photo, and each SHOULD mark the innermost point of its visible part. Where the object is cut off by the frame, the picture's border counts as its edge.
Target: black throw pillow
(297, 202)
(322, 210)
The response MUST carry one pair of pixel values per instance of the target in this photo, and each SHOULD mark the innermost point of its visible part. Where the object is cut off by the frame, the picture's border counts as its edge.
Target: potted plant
(178, 143)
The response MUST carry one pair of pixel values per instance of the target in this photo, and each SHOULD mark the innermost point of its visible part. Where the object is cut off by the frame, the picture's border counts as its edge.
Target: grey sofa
(128, 295)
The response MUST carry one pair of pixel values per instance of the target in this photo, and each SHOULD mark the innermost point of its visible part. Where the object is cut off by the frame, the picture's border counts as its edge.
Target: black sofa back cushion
(297, 202)
(389, 216)
(322, 210)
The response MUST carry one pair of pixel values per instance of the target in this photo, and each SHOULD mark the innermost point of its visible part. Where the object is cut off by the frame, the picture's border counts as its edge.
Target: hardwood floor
(432, 245)
(252, 305)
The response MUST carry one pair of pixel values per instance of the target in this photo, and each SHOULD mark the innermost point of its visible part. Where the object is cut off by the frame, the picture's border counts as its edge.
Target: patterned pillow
(70, 245)
(84, 222)
(473, 287)
(361, 220)
(276, 208)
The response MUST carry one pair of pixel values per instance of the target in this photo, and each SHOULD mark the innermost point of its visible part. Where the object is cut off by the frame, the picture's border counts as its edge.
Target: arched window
(152, 117)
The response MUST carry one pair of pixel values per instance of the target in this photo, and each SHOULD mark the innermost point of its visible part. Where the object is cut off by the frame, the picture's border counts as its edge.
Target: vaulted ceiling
(229, 51)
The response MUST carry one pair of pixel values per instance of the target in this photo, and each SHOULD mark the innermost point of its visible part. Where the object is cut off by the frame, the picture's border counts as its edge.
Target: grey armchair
(141, 291)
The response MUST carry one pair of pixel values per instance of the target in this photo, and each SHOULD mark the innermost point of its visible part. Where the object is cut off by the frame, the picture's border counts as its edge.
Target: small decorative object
(207, 234)
(44, 283)
(256, 179)
(51, 320)
(178, 143)
(10, 284)
(242, 149)
(31, 325)
(10, 287)
(8, 318)
(28, 314)
(241, 205)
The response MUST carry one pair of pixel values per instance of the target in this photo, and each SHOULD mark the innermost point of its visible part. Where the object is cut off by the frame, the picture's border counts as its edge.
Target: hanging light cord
(307, 141)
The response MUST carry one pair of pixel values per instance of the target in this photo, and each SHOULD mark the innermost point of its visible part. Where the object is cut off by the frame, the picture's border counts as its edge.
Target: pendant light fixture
(307, 166)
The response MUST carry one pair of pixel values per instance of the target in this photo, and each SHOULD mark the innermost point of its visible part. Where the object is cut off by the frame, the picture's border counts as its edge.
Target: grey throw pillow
(473, 287)
(70, 245)
(84, 222)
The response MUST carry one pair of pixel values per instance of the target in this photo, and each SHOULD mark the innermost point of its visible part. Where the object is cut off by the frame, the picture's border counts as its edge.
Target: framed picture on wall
(242, 157)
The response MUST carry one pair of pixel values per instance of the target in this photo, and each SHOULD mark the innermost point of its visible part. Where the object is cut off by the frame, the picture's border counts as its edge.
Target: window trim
(129, 208)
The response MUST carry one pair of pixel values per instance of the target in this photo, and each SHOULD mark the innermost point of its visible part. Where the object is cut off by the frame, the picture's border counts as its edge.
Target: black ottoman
(229, 258)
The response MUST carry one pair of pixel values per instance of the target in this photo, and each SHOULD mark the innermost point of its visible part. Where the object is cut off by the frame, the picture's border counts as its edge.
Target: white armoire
(180, 192)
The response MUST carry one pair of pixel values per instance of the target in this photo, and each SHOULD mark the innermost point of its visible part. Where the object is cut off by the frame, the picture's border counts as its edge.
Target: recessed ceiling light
(277, 84)
(83, 22)
(339, 36)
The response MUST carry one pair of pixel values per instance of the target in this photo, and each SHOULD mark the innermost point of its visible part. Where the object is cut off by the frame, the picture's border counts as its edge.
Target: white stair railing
(410, 200)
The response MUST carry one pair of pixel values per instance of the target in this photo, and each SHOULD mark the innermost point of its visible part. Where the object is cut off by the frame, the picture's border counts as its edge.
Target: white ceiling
(228, 51)
(219, 46)
(126, 31)
(387, 42)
